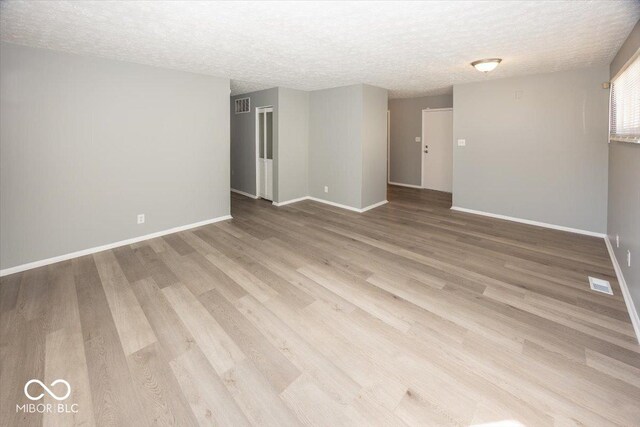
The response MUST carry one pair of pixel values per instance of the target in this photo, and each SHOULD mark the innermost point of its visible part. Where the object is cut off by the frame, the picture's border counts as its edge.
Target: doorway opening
(264, 152)
(437, 151)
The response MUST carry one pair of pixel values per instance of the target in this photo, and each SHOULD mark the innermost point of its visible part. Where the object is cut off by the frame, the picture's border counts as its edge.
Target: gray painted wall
(328, 137)
(627, 50)
(406, 124)
(347, 145)
(243, 141)
(335, 145)
(374, 145)
(624, 189)
(541, 157)
(86, 144)
(293, 144)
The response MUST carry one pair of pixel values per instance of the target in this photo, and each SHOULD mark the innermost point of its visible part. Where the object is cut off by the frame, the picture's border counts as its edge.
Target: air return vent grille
(243, 105)
(600, 285)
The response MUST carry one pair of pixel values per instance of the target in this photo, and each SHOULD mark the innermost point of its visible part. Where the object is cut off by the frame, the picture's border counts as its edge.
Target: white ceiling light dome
(486, 65)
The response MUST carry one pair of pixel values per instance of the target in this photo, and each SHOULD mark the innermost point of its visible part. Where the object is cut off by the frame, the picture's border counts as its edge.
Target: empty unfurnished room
(320, 213)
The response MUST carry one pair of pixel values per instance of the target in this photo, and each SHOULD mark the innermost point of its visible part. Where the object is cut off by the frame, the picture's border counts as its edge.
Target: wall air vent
(600, 285)
(243, 105)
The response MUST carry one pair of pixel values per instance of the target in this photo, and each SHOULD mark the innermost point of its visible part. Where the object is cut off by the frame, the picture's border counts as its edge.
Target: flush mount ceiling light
(486, 65)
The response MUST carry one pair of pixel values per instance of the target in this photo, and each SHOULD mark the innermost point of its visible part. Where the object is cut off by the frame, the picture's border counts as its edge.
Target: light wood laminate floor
(409, 314)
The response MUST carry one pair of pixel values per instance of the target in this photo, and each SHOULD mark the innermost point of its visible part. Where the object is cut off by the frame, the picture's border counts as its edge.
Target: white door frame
(258, 111)
(389, 146)
(423, 142)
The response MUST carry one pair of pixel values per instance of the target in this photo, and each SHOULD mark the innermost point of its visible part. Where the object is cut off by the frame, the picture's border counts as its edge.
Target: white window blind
(625, 104)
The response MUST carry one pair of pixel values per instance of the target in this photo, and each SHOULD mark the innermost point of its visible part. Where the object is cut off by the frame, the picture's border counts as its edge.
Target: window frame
(633, 138)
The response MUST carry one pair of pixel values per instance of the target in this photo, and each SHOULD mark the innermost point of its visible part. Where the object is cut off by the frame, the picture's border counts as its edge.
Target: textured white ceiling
(410, 48)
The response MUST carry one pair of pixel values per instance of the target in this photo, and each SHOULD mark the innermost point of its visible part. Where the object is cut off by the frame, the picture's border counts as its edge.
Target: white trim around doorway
(423, 141)
(257, 163)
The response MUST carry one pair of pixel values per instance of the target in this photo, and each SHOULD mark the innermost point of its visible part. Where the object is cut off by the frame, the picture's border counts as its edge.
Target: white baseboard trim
(244, 194)
(529, 222)
(327, 202)
(53, 260)
(288, 202)
(375, 205)
(350, 208)
(337, 205)
(631, 308)
(405, 185)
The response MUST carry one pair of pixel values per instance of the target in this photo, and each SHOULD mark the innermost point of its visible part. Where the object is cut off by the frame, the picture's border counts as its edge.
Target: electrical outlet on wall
(617, 241)
(326, 189)
(140, 218)
(462, 143)
(418, 139)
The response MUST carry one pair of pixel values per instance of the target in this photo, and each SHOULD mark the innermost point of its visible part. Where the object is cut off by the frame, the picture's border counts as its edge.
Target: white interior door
(437, 149)
(265, 153)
